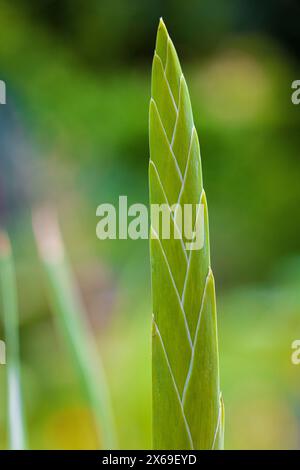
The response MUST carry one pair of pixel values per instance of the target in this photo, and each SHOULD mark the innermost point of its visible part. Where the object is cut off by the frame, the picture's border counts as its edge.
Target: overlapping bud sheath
(187, 405)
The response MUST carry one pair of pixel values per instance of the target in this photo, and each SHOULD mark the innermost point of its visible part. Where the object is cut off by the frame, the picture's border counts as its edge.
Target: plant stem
(188, 411)
(67, 305)
(16, 424)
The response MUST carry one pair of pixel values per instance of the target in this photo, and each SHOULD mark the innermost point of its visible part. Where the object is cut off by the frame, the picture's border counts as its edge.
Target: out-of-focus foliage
(74, 132)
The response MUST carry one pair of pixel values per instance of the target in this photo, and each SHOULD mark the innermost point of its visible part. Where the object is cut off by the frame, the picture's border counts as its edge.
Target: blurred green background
(74, 134)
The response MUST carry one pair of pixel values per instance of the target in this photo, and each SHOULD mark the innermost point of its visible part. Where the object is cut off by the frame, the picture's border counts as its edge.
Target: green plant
(67, 305)
(16, 424)
(188, 410)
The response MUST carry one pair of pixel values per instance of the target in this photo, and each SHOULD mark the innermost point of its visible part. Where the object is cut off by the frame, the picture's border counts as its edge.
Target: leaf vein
(167, 81)
(168, 142)
(175, 287)
(190, 254)
(217, 426)
(171, 212)
(195, 338)
(175, 385)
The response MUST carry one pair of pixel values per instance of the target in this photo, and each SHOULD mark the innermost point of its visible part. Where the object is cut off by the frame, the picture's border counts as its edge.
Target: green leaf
(67, 305)
(16, 424)
(188, 410)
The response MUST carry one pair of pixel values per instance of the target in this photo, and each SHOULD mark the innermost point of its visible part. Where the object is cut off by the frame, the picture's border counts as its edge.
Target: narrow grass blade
(67, 306)
(188, 410)
(16, 425)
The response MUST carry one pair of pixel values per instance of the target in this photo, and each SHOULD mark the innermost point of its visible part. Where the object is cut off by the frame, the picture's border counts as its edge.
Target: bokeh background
(74, 134)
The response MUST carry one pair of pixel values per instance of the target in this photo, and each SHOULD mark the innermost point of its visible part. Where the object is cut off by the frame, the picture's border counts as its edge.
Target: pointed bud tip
(161, 22)
(47, 234)
(5, 248)
(162, 27)
(162, 38)
(203, 199)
